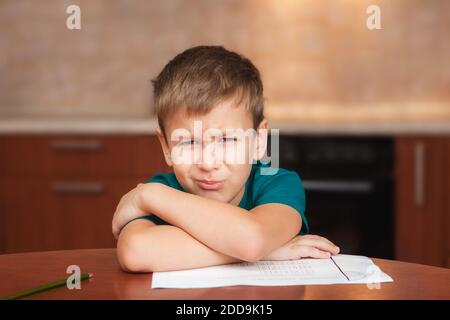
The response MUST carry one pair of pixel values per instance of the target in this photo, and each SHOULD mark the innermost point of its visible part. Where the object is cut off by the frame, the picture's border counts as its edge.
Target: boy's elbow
(127, 262)
(130, 255)
(252, 249)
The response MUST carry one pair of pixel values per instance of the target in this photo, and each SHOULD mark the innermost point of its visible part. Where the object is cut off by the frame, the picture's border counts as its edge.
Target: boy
(217, 206)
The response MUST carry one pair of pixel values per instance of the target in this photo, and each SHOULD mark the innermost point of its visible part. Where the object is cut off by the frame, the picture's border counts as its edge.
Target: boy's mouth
(209, 184)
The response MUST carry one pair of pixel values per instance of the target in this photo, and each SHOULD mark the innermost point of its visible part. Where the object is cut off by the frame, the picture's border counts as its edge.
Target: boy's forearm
(164, 248)
(221, 226)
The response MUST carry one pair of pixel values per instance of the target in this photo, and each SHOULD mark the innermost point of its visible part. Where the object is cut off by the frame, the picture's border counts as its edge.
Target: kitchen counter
(77, 125)
(132, 126)
(365, 128)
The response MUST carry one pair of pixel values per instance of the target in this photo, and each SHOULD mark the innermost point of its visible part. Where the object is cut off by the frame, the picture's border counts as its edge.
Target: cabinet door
(53, 214)
(420, 181)
(87, 207)
(31, 220)
(60, 192)
(80, 155)
(148, 157)
(2, 197)
(447, 197)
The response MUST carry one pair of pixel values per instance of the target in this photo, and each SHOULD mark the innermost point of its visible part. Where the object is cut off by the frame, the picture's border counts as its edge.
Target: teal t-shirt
(283, 187)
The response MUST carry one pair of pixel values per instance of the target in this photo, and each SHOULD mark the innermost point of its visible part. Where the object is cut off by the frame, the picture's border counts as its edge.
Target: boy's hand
(129, 208)
(308, 246)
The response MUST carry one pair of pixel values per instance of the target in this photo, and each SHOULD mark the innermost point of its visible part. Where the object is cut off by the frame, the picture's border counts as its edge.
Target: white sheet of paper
(340, 269)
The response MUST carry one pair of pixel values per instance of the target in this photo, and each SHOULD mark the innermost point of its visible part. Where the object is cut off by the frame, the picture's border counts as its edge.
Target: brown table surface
(26, 270)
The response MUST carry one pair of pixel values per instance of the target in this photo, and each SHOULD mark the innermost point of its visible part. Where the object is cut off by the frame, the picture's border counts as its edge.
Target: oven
(349, 189)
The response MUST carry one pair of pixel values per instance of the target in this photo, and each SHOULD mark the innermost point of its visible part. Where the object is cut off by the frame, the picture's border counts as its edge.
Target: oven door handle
(340, 186)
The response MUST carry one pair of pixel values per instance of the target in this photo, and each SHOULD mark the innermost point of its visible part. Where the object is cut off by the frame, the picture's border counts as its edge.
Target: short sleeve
(151, 217)
(169, 180)
(284, 187)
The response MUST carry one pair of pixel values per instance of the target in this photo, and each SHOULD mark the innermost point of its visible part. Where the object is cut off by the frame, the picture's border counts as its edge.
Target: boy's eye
(221, 140)
(188, 142)
(229, 139)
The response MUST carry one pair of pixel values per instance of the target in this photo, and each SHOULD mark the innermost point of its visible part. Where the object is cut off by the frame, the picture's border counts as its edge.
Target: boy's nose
(210, 158)
(208, 166)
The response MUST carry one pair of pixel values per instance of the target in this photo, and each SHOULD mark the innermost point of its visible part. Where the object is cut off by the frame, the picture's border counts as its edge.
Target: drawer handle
(419, 174)
(70, 187)
(76, 145)
(341, 186)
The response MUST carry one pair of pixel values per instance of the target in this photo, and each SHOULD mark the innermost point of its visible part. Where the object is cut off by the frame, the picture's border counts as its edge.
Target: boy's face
(210, 154)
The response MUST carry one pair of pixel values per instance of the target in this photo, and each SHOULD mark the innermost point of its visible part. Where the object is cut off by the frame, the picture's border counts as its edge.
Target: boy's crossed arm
(146, 247)
(206, 232)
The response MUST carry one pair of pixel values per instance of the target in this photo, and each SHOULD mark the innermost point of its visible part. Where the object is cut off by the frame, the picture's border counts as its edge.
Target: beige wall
(309, 52)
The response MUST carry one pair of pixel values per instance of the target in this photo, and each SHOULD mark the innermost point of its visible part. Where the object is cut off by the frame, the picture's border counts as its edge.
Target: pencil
(44, 287)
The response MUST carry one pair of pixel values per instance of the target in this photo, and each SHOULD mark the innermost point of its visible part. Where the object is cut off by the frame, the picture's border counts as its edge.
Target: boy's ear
(261, 140)
(165, 148)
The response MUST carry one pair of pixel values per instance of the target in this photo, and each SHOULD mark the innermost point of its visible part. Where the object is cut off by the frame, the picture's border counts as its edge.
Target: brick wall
(309, 51)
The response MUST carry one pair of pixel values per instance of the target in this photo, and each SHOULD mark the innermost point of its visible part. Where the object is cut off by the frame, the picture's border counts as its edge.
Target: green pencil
(44, 287)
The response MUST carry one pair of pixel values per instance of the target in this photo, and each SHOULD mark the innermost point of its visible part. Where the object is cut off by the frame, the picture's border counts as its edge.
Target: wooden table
(23, 271)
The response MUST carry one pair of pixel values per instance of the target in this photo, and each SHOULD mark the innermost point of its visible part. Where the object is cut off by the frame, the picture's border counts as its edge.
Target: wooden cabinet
(422, 205)
(447, 203)
(60, 192)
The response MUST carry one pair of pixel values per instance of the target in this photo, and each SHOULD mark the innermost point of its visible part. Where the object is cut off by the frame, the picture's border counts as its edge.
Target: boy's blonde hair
(200, 77)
